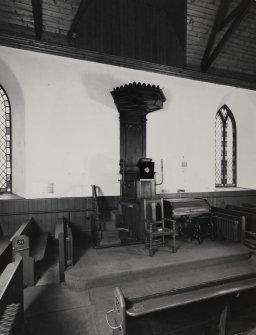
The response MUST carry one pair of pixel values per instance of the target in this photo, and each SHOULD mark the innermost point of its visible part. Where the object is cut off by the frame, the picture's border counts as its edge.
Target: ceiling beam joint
(235, 17)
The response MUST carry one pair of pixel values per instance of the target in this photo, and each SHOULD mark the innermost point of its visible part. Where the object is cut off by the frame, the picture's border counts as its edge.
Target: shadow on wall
(99, 86)
(12, 87)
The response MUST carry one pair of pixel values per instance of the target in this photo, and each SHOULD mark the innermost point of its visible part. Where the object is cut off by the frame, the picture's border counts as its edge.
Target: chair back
(153, 210)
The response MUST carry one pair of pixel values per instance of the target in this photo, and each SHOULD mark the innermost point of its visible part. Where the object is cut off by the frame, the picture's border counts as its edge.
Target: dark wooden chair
(155, 228)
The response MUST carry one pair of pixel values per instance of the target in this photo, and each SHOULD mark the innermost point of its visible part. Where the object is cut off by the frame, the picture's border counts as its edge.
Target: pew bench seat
(38, 247)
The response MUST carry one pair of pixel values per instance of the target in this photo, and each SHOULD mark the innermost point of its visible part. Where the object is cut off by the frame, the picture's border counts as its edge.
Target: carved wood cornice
(136, 98)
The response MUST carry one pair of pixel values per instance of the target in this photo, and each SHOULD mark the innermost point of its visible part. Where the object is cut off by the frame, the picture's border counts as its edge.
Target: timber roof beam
(79, 14)
(234, 19)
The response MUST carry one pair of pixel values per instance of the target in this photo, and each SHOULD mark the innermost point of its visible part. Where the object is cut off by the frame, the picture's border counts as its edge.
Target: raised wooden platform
(192, 263)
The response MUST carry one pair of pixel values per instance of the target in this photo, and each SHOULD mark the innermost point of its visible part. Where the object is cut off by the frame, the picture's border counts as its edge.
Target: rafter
(235, 17)
(81, 10)
(37, 14)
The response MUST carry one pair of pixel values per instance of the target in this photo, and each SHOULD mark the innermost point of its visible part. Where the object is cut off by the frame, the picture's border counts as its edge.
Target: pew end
(64, 236)
(31, 244)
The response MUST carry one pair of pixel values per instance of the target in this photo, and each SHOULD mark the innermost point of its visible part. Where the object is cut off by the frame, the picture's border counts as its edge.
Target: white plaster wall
(71, 126)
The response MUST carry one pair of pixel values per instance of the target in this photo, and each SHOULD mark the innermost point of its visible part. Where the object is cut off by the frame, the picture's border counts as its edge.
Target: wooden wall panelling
(133, 29)
(47, 211)
(79, 221)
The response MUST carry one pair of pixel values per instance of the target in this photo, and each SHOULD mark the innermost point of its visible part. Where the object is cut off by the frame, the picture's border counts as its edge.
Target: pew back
(11, 298)
(250, 215)
(31, 243)
(188, 311)
(5, 250)
(248, 205)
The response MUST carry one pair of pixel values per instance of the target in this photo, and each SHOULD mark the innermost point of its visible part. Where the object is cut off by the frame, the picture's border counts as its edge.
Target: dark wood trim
(38, 21)
(71, 52)
(57, 211)
(80, 12)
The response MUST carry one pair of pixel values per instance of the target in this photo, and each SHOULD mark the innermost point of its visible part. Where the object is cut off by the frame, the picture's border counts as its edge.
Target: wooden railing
(97, 224)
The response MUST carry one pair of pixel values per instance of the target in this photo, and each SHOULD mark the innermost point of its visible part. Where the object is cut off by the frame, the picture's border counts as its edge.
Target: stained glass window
(225, 148)
(5, 143)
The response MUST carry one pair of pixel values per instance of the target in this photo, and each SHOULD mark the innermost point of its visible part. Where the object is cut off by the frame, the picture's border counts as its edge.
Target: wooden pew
(31, 243)
(64, 236)
(5, 250)
(249, 213)
(248, 205)
(11, 298)
(203, 309)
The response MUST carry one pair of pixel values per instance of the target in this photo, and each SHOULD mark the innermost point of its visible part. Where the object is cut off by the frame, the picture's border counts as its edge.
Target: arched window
(5, 143)
(225, 148)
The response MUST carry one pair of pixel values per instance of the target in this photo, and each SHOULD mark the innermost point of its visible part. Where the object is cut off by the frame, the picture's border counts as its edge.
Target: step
(109, 238)
(152, 273)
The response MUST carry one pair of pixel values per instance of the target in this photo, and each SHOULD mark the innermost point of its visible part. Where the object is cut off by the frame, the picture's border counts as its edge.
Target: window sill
(9, 196)
(222, 189)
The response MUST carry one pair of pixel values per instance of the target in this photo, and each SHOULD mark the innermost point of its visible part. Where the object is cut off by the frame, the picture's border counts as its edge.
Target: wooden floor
(80, 305)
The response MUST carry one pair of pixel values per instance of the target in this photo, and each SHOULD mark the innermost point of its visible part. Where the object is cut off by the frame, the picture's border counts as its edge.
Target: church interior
(127, 167)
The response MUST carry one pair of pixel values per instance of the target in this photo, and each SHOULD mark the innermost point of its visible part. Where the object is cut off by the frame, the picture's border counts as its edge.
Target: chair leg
(174, 237)
(150, 246)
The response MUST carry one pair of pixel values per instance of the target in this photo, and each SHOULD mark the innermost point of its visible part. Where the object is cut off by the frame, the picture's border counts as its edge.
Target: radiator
(227, 228)
(11, 321)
